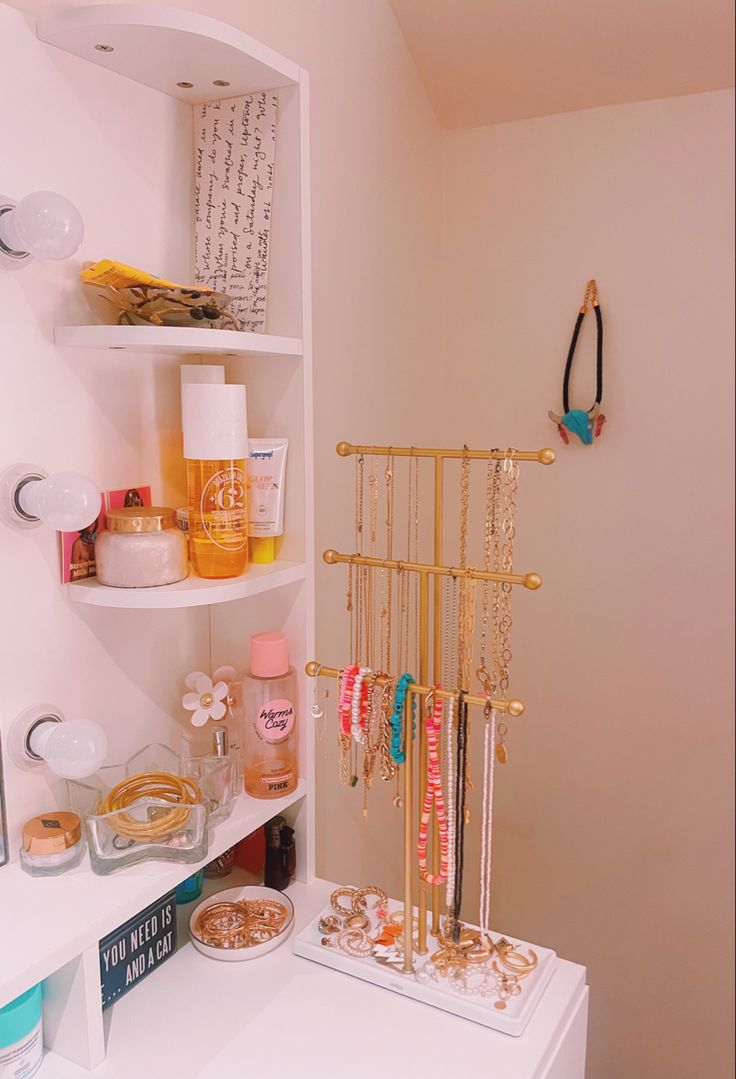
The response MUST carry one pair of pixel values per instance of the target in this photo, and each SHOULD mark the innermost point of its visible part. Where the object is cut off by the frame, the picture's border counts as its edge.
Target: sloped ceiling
(490, 61)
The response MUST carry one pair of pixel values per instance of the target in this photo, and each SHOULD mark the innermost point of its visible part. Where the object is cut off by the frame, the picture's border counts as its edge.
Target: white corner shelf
(162, 47)
(50, 920)
(191, 592)
(179, 340)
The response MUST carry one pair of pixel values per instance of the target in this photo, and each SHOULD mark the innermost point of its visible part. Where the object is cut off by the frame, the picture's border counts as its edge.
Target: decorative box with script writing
(234, 152)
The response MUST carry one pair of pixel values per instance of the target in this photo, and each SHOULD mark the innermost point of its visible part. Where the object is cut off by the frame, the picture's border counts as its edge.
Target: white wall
(612, 820)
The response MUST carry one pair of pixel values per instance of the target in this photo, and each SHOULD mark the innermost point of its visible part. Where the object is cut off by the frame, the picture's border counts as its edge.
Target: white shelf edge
(192, 592)
(102, 903)
(77, 30)
(176, 339)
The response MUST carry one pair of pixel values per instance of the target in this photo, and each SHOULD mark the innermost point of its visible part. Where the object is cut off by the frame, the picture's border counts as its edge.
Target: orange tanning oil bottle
(216, 450)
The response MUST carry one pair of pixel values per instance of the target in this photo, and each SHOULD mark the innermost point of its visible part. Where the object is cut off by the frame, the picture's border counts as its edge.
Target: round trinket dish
(255, 893)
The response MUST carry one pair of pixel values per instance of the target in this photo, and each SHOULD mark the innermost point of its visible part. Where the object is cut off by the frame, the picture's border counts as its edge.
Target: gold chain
(343, 741)
(591, 295)
(508, 534)
(387, 767)
(464, 639)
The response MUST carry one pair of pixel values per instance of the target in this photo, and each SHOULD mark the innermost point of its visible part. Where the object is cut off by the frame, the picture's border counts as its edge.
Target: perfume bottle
(280, 854)
(215, 449)
(270, 707)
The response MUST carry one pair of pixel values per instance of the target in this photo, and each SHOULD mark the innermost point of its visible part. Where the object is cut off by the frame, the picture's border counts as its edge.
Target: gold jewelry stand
(511, 707)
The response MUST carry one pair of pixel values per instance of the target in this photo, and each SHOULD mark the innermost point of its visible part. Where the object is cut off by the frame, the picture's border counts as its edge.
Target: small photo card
(128, 498)
(78, 552)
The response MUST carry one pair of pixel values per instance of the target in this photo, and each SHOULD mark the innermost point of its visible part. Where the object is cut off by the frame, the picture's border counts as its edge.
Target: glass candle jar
(141, 548)
(51, 844)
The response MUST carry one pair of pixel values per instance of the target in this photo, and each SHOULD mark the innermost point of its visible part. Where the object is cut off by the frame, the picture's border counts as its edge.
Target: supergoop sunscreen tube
(266, 473)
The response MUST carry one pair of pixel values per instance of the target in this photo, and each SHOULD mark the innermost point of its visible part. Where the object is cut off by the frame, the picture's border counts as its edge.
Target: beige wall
(613, 816)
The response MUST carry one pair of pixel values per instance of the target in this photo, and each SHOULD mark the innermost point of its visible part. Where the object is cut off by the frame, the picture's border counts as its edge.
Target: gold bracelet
(182, 791)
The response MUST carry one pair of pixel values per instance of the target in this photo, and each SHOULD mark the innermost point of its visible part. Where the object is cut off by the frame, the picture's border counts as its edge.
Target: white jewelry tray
(513, 1020)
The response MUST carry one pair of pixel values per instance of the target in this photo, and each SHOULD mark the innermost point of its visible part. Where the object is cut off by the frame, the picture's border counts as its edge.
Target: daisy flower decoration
(207, 697)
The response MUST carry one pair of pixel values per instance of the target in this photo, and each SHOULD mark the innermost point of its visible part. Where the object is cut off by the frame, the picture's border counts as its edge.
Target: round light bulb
(68, 501)
(43, 224)
(73, 749)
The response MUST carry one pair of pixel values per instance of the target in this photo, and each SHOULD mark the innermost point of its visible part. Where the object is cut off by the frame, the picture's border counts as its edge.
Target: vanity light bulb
(67, 501)
(43, 224)
(73, 749)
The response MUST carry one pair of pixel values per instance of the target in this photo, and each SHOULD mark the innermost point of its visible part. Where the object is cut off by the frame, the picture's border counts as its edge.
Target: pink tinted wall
(613, 817)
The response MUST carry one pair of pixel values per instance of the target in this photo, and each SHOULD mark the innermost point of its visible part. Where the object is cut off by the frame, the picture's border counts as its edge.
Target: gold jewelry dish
(242, 924)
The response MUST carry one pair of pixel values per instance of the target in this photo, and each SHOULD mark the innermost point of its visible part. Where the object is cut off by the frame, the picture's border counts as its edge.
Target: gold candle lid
(140, 519)
(51, 833)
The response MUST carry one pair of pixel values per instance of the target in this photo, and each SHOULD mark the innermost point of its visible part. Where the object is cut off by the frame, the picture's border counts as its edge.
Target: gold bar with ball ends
(542, 457)
(531, 581)
(511, 707)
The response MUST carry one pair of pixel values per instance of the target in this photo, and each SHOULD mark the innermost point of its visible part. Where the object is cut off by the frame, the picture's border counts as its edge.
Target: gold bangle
(182, 791)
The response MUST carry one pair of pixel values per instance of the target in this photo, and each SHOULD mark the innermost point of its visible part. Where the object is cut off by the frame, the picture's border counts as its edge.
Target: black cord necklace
(588, 424)
(461, 765)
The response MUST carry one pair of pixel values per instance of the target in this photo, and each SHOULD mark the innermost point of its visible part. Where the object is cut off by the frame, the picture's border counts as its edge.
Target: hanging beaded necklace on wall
(586, 425)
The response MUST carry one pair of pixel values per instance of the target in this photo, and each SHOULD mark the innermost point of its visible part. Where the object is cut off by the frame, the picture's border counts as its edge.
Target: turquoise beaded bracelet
(398, 755)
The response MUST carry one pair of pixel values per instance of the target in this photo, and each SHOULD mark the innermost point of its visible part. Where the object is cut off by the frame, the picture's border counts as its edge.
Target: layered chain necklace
(498, 548)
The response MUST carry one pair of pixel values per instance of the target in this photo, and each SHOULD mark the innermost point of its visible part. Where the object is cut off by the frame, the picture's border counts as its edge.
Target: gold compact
(140, 519)
(51, 843)
(51, 833)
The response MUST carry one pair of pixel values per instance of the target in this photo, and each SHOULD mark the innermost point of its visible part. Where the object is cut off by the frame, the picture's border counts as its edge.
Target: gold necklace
(507, 534)
(490, 562)
(463, 640)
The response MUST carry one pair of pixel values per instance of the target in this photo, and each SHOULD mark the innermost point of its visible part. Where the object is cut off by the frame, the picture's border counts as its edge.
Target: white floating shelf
(163, 47)
(178, 340)
(192, 592)
(47, 921)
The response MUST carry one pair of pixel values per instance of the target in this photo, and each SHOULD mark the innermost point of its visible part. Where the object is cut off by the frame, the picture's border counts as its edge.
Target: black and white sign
(136, 948)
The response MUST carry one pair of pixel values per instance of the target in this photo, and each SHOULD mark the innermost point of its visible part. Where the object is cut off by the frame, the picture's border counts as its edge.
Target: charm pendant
(502, 753)
(586, 425)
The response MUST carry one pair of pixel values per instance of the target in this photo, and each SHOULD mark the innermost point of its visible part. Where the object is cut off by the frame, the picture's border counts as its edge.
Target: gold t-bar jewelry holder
(437, 570)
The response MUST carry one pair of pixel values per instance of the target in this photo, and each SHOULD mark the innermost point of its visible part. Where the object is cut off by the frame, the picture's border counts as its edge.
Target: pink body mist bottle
(270, 712)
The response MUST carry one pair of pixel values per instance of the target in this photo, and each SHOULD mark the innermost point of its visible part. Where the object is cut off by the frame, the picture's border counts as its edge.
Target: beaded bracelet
(359, 704)
(398, 755)
(433, 798)
(346, 697)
